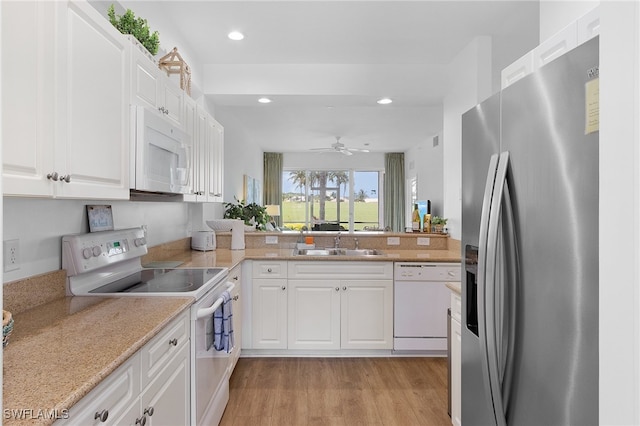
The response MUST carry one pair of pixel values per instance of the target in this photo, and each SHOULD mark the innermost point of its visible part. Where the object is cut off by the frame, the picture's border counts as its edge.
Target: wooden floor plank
(338, 391)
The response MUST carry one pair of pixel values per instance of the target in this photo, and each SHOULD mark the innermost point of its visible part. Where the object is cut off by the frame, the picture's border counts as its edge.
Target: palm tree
(361, 196)
(299, 179)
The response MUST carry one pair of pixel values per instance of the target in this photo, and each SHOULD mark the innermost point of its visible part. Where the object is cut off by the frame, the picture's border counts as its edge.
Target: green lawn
(293, 213)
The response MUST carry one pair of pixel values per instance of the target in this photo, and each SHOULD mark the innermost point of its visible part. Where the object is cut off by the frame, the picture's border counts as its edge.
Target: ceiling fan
(340, 148)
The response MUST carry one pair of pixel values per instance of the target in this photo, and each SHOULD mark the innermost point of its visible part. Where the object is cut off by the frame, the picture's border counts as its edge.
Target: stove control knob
(97, 251)
(139, 242)
(86, 253)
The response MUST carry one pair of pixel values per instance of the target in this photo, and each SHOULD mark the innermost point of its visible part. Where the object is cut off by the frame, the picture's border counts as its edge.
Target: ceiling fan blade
(357, 150)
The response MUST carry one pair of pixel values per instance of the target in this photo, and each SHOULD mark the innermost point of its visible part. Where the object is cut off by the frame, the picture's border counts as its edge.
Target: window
(331, 200)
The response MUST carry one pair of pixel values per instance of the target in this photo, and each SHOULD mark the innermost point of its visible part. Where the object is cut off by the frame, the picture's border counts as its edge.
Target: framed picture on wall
(248, 189)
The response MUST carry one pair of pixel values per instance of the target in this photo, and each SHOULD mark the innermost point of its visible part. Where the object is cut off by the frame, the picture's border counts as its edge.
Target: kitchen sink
(337, 252)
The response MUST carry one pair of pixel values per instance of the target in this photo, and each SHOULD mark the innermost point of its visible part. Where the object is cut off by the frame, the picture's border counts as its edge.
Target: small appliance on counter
(203, 240)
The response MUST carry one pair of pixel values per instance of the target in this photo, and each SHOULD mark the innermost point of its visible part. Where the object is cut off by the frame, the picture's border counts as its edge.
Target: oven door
(209, 380)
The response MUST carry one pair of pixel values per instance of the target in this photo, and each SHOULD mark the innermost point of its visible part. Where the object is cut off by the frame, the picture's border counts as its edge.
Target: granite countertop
(60, 351)
(230, 258)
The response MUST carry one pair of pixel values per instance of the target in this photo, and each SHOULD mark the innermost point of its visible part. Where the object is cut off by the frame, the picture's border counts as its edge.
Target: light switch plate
(424, 241)
(271, 239)
(393, 241)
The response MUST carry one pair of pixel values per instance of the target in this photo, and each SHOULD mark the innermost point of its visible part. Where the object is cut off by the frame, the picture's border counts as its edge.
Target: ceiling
(325, 63)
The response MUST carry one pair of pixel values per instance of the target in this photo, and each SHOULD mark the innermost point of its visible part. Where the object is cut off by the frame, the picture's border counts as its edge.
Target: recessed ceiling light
(264, 100)
(384, 101)
(235, 35)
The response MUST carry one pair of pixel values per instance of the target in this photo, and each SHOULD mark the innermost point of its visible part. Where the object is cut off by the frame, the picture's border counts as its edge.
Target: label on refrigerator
(592, 106)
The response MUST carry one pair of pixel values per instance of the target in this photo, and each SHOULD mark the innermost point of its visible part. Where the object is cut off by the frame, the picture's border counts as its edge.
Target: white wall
(471, 83)
(619, 333)
(39, 225)
(325, 161)
(424, 162)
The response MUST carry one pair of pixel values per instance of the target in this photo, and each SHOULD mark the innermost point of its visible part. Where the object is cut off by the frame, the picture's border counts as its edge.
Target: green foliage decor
(251, 214)
(137, 27)
(437, 220)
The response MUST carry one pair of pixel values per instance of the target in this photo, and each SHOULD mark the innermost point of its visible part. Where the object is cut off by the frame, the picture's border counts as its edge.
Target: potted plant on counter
(137, 27)
(437, 224)
(252, 214)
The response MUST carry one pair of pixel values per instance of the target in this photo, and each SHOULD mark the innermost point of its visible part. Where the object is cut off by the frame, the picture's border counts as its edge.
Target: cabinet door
(145, 80)
(215, 161)
(93, 86)
(235, 275)
(200, 154)
(112, 397)
(366, 314)
(314, 314)
(173, 101)
(190, 130)
(456, 373)
(167, 399)
(28, 113)
(269, 314)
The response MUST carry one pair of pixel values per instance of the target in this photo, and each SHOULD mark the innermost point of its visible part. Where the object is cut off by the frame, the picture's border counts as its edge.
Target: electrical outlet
(424, 241)
(271, 239)
(11, 255)
(393, 241)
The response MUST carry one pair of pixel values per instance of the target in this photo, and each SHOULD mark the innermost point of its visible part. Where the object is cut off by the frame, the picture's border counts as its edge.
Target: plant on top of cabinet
(251, 214)
(137, 27)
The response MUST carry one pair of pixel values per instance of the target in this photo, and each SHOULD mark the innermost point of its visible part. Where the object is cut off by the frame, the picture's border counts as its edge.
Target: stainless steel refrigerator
(530, 243)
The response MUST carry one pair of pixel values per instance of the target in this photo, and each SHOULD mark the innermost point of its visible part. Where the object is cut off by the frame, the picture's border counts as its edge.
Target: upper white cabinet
(208, 154)
(65, 114)
(571, 36)
(151, 87)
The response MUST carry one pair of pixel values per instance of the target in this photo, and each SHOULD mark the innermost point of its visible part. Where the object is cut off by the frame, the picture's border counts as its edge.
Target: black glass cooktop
(163, 281)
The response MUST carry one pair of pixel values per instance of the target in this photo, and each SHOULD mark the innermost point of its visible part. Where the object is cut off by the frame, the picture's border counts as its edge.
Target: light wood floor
(338, 391)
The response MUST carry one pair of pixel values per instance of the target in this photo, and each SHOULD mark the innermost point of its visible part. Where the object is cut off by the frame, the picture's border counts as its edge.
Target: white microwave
(160, 154)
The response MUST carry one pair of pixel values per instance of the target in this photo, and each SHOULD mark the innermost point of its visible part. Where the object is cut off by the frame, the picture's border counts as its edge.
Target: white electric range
(108, 263)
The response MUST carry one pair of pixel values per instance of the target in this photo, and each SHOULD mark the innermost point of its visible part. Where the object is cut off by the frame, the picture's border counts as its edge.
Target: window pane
(321, 200)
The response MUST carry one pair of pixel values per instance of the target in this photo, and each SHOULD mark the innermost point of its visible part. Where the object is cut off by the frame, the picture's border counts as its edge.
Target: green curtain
(273, 181)
(394, 202)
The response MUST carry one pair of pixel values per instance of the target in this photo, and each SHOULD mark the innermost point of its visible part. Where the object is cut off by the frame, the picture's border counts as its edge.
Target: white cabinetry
(208, 154)
(151, 87)
(67, 135)
(269, 305)
(340, 305)
(151, 387)
(456, 360)
(235, 275)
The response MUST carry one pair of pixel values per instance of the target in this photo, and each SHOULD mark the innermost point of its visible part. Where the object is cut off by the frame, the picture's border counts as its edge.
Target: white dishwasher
(421, 299)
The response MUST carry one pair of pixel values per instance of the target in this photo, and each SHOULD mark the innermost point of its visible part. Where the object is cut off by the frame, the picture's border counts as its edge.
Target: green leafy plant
(250, 214)
(437, 220)
(137, 27)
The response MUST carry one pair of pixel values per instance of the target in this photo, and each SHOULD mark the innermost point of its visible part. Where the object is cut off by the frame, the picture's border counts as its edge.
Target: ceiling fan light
(384, 101)
(235, 35)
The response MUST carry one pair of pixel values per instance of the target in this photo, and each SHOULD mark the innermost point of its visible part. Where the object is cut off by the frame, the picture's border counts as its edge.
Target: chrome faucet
(336, 241)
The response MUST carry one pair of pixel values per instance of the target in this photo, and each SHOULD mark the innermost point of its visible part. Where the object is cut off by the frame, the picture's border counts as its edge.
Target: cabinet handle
(235, 278)
(217, 195)
(52, 176)
(269, 270)
(102, 415)
(284, 288)
(236, 297)
(173, 342)
(344, 288)
(337, 288)
(148, 411)
(141, 421)
(65, 178)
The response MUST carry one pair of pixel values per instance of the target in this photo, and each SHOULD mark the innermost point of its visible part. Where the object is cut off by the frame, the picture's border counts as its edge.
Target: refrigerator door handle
(510, 296)
(493, 289)
(481, 275)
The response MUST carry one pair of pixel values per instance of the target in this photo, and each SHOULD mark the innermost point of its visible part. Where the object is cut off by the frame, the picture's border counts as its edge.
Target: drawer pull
(173, 342)
(148, 411)
(235, 298)
(141, 421)
(102, 416)
(269, 270)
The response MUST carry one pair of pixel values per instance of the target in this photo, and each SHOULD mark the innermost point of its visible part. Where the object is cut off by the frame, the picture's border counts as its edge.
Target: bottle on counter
(427, 223)
(415, 218)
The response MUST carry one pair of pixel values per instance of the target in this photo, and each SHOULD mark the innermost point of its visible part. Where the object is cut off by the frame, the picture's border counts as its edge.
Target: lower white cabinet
(235, 275)
(456, 360)
(125, 397)
(318, 305)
